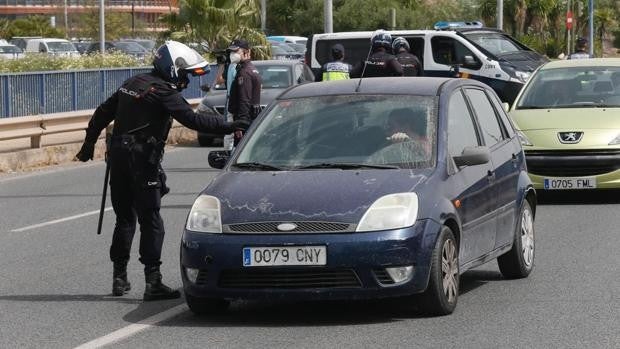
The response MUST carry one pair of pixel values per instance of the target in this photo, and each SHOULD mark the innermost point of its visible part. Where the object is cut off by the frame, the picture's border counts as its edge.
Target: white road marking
(132, 329)
(59, 220)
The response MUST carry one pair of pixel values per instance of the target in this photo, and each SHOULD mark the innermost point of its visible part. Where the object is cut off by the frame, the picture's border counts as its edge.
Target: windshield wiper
(344, 166)
(257, 166)
(535, 107)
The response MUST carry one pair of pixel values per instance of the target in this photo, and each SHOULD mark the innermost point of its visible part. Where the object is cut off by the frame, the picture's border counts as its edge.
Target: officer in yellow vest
(337, 69)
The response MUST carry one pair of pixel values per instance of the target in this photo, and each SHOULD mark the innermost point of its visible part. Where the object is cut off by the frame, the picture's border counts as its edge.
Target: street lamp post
(591, 25)
(500, 14)
(101, 27)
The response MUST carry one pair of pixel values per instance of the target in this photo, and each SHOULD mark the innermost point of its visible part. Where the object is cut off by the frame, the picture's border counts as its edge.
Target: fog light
(192, 274)
(400, 274)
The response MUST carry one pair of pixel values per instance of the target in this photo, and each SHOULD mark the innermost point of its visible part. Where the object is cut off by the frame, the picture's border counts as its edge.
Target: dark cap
(237, 44)
(582, 41)
(338, 48)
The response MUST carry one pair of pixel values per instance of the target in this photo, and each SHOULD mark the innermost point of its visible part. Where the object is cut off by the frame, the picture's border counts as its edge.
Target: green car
(568, 118)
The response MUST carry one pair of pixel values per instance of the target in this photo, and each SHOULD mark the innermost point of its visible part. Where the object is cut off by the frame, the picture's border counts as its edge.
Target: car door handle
(515, 158)
(491, 175)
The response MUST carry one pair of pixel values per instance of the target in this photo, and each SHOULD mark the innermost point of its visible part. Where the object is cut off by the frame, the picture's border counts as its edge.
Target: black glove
(86, 152)
(241, 125)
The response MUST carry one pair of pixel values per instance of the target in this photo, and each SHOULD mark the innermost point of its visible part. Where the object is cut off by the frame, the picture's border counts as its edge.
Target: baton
(103, 196)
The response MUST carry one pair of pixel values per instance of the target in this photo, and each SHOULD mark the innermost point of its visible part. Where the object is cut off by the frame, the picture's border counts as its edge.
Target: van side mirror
(506, 107)
(469, 62)
(473, 156)
(218, 158)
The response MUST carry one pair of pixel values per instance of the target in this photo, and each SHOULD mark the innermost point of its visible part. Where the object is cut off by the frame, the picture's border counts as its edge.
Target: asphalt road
(55, 281)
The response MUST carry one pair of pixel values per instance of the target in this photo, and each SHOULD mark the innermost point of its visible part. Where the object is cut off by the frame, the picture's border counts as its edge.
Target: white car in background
(56, 47)
(8, 51)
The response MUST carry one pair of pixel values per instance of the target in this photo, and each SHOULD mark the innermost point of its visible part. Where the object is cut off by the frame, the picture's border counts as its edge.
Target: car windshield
(275, 76)
(9, 49)
(572, 87)
(345, 132)
(59, 46)
(129, 47)
(496, 43)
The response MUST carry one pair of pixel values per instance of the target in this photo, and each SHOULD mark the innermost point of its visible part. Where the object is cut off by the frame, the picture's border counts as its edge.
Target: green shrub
(43, 62)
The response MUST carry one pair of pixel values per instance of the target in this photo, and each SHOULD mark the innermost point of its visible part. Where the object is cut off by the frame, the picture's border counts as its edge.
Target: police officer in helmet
(141, 110)
(381, 62)
(410, 62)
(336, 69)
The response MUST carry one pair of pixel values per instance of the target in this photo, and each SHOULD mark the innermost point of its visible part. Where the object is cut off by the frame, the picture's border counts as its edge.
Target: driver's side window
(449, 51)
(461, 128)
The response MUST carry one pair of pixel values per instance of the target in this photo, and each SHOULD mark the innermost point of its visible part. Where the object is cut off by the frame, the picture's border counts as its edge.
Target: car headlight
(205, 215)
(523, 139)
(616, 140)
(393, 211)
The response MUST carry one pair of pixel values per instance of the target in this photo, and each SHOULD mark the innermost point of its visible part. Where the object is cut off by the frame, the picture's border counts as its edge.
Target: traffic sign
(569, 20)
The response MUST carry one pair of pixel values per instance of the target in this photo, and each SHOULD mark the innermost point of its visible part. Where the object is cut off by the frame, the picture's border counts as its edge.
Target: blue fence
(59, 91)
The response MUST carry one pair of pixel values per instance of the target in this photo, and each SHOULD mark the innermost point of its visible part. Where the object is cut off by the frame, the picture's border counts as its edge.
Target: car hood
(307, 195)
(218, 98)
(567, 119)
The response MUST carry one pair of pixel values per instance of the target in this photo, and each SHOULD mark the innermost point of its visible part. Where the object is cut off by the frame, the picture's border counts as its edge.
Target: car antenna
(376, 32)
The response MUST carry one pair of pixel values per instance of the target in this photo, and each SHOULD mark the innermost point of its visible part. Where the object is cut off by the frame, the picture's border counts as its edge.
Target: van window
(355, 50)
(449, 51)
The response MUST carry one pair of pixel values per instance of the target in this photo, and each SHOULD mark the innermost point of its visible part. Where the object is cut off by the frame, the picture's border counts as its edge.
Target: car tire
(442, 292)
(206, 306)
(519, 261)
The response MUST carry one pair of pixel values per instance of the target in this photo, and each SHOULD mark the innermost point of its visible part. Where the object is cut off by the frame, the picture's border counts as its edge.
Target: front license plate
(284, 255)
(570, 183)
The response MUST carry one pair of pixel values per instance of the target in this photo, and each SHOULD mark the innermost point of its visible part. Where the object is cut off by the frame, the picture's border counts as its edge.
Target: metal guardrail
(37, 126)
(34, 93)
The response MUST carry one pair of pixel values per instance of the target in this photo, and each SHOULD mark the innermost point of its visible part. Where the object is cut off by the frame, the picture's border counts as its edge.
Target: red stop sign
(569, 20)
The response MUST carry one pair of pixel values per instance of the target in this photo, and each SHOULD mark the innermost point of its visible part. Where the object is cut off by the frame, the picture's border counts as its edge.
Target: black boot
(120, 285)
(155, 289)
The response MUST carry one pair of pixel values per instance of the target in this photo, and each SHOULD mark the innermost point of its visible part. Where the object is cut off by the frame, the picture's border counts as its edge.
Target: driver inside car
(408, 125)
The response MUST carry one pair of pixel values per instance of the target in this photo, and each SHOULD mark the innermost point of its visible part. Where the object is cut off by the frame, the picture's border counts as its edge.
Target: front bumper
(358, 257)
(603, 166)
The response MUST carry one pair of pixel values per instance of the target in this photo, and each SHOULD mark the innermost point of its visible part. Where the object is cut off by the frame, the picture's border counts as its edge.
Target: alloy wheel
(449, 270)
(527, 237)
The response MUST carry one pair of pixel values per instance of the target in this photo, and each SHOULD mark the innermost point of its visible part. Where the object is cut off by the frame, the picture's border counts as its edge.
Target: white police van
(464, 49)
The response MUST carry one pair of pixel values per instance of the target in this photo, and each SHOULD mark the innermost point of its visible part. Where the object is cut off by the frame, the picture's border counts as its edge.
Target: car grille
(383, 277)
(572, 163)
(302, 227)
(289, 278)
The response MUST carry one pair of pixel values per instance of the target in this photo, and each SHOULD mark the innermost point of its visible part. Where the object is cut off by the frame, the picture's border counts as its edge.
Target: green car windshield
(344, 132)
(572, 87)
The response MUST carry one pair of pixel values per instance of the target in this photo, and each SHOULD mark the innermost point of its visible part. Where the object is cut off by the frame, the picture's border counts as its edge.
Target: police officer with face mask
(381, 62)
(410, 62)
(141, 110)
(244, 102)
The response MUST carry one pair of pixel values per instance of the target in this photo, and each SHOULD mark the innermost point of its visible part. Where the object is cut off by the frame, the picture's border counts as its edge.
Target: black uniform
(380, 63)
(410, 63)
(141, 109)
(244, 101)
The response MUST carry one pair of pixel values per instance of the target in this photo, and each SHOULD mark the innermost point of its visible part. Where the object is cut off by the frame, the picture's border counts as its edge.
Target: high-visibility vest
(336, 71)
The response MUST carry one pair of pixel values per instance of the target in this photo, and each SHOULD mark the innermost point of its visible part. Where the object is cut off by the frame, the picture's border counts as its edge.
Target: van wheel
(442, 293)
(519, 261)
(206, 306)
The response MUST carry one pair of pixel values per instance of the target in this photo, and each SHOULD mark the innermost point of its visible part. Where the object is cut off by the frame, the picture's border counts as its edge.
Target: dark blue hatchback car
(348, 190)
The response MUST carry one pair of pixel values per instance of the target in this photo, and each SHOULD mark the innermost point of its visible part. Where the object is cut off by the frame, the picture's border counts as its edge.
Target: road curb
(28, 159)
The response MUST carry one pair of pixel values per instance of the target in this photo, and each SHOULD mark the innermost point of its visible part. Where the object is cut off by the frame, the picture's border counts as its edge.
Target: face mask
(235, 57)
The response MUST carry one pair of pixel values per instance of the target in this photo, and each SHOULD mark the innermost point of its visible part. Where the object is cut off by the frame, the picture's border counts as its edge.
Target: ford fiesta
(349, 190)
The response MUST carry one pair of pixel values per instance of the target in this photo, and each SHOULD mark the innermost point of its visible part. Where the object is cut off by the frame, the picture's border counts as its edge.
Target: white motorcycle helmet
(175, 61)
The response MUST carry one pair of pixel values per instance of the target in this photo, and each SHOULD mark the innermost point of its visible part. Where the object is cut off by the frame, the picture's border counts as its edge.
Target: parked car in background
(288, 39)
(148, 44)
(284, 51)
(340, 190)
(82, 46)
(21, 41)
(276, 76)
(56, 47)
(568, 115)
(126, 47)
(8, 51)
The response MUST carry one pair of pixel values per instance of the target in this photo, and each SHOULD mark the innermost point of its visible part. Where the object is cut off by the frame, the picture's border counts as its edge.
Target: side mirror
(470, 62)
(473, 156)
(218, 158)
